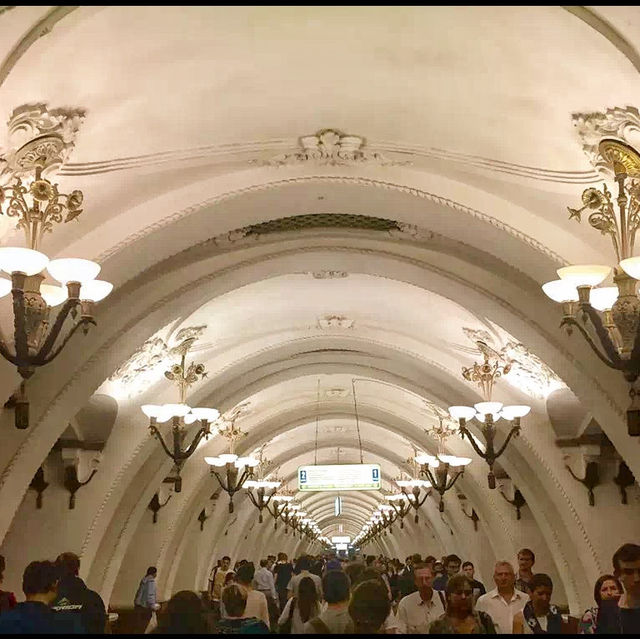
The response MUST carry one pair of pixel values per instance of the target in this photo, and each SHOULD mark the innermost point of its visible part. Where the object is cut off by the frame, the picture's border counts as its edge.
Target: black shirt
(75, 600)
(630, 620)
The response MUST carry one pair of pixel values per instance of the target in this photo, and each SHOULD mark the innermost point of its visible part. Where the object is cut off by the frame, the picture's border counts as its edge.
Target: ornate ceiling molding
(329, 275)
(335, 321)
(47, 132)
(620, 123)
(330, 147)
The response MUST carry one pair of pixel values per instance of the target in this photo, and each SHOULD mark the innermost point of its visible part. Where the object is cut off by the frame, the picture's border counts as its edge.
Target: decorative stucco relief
(329, 275)
(528, 372)
(330, 147)
(335, 321)
(620, 123)
(148, 363)
(34, 123)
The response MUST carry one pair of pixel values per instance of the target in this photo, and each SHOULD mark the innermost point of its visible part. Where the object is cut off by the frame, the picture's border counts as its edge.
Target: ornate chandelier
(610, 314)
(400, 504)
(415, 484)
(443, 470)
(181, 415)
(279, 503)
(487, 413)
(37, 204)
(265, 490)
(236, 469)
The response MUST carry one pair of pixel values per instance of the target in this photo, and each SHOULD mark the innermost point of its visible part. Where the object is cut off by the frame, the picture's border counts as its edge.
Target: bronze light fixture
(400, 505)
(487, 413)
(235, 470)
(39, 334)
(610, 314)
(265, 489)
(415, 484)
(181, 415)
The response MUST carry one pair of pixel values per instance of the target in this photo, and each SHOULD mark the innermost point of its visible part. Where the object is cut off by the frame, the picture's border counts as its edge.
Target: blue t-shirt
(35, 617)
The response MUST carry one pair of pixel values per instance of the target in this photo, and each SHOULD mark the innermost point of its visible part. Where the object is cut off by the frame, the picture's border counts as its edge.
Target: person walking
(460, 618)
(145, 602)
(504, 602)
(606, 593)
(335, 619)
(7, 599)
(264, 582)
(299, 609)
(417, 610)
(539, 616)
(217, 583)
(184, 616)
(235, 620)
(283, 571)
(369, 607)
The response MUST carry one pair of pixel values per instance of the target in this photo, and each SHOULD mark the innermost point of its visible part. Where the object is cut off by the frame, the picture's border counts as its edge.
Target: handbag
(285, 627)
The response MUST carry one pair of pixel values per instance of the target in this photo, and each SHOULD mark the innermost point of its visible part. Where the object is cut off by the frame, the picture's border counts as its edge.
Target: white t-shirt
(500, 611)
(415, 615)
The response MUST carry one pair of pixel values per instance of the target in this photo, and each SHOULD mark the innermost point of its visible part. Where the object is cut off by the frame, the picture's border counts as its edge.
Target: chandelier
(236, 469)
(415, 484)
(487, 413)
(279, 503)
(400, 505)
(37, 331)
(261, 485)
(290, 515)
(443, 470)
(181, 414)
(610, 314)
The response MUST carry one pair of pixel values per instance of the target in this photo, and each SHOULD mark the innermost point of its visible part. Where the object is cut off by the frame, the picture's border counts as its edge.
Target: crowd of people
(331, 595)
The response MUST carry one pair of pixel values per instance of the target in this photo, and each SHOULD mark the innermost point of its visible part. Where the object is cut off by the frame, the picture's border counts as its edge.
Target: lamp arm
(4, 351)
(602, 333)
(268, 499)
(41, 360)
(472, 441)
(225, 488)
(19, 326)
(420, 502)
(185, 454)
(615, 362)
(454, 480)
(158, 435)
(69, 305)
(514, 431)
(253, 499)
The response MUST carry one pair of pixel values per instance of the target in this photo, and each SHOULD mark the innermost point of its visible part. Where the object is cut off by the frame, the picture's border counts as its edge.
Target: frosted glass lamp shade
(511, 412)
(176, 410)
(228, 458)
(251, 483)
(190, 418)
(584, 274)
(631, 266)
(251, 461)
(95, 290)
(602, 299)
(560, 291)
(427, 459)
(486, 408)
(5, 286)
(151, 410)
(462, 412)
(53, 295)
(22, 260)
(452, 460)
(284, 498)
(214, 461)
(210, 414)
(73, 269)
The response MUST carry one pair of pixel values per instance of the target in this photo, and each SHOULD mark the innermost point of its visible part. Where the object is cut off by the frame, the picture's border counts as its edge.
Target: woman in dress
(460, 618)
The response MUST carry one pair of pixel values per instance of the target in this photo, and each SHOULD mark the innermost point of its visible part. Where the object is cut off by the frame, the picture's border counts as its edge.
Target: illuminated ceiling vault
(320, 193)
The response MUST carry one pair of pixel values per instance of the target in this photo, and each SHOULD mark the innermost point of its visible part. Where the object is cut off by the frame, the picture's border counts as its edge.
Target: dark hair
(245, 573)
(152, 570)
(429, 559)
(263, 563)
(370, 559)
(226, 557)
(184, 615)
(596, 589)
(455, 583)
(528, 551)
(626, 552)
(416, 558)
(2, 566)
(421, 565)
(354, 571)
(453, 558)
(304, 563)
(369, 606)
(234, 598)
(282, 556)
(229, 577)
(307, 598)
(335, 585)
(39, 577)
(539, 580)
(369, 574)
(68, 563)
(467, 563)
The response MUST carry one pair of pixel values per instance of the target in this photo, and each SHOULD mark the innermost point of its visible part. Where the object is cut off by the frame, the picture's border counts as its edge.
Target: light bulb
(73, 269)
(22, 260)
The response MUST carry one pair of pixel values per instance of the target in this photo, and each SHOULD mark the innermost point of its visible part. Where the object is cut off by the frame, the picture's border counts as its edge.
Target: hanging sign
(339, 477)
(337, 507)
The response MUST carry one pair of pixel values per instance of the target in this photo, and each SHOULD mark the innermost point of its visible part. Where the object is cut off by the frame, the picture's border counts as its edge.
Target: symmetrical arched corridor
(323, 200)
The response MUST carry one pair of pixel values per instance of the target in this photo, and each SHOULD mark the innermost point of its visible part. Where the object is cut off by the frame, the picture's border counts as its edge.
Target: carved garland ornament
(330, 147)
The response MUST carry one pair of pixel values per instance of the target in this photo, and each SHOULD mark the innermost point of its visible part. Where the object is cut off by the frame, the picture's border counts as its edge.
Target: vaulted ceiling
(302, 274)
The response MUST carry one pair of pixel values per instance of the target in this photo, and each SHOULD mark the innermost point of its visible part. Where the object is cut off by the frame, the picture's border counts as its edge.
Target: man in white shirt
(263, 582)
(304, 564)
(216, 582)
(417, 610)
(504, 602)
